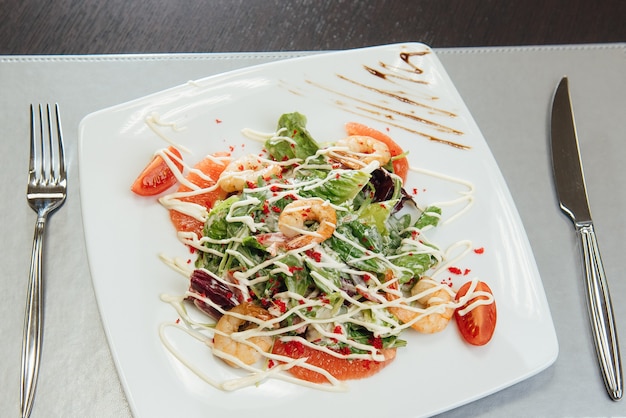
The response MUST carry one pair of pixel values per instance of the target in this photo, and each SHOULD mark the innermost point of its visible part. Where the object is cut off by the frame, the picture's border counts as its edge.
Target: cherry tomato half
(478, 325)
(157, 177)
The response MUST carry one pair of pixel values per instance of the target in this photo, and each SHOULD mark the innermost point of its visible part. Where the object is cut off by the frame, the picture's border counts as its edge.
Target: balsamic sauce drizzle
(400, 97)
(382, 109)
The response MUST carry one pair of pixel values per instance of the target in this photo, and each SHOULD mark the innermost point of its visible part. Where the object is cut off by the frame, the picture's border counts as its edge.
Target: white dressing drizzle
(154, 122)
(324, 326)
(466, 196)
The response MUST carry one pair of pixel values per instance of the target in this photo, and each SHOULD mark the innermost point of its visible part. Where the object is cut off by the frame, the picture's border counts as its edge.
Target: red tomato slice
(212, 168)
(478, 325)
(157, 177)
(342, 369)
(400, 165)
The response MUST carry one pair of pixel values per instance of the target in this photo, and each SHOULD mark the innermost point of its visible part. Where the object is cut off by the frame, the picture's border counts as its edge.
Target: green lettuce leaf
(301, 145)
(339, 187)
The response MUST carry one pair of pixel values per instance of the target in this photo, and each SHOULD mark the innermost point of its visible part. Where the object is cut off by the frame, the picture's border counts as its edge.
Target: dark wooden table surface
(160, 26)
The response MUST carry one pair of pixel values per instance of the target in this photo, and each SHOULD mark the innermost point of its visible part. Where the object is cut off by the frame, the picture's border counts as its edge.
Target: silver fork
(46, 191)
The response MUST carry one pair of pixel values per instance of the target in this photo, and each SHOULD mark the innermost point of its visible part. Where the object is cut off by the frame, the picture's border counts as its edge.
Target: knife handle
(601, 313)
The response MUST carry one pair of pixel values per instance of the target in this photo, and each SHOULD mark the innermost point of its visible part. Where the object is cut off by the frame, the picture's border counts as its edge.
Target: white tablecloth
(508, 91)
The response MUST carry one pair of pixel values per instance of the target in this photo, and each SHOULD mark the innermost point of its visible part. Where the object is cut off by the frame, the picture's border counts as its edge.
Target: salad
(312, 260)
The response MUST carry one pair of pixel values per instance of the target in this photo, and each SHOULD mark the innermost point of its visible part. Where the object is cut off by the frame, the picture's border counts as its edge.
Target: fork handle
(33, 322)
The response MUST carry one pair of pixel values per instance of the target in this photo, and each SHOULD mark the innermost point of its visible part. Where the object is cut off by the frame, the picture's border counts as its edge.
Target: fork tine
(40, 146)
(60, 175)
(55, 170)
(48, 160)
(47, 152)
(33, 163)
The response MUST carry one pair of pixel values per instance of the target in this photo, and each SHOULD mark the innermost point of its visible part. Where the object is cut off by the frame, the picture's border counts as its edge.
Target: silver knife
(572, 193)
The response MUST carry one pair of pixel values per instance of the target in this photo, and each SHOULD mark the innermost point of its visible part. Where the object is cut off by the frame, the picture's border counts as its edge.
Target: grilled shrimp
(437, 301)
(292, 219)
(361, 151)
(247, 169)
(238, 319)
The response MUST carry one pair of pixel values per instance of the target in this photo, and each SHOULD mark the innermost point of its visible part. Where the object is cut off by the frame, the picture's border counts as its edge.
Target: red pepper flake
(189, 261)
(231, 148)
(338, 330)
(266, 207)
(295, 132)
(376, 342)
(294, 349)
(178, 320)
(192, 250)
(455, 270)
(275, 188)
(447, 282)
(281, 305)
(275, 209)
(270, 363)
(479, 250)
(218, 121)
(345, 351)
(314, 255)
(466, 272)
(414, 190)
(293, 269)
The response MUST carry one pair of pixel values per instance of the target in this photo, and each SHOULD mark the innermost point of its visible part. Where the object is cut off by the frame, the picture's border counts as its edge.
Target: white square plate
(400, 89)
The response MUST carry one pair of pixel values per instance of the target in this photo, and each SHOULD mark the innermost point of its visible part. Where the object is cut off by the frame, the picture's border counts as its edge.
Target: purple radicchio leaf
(204, 284)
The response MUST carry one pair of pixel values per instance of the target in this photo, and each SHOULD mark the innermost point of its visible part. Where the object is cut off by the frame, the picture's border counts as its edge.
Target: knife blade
(572, 194)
